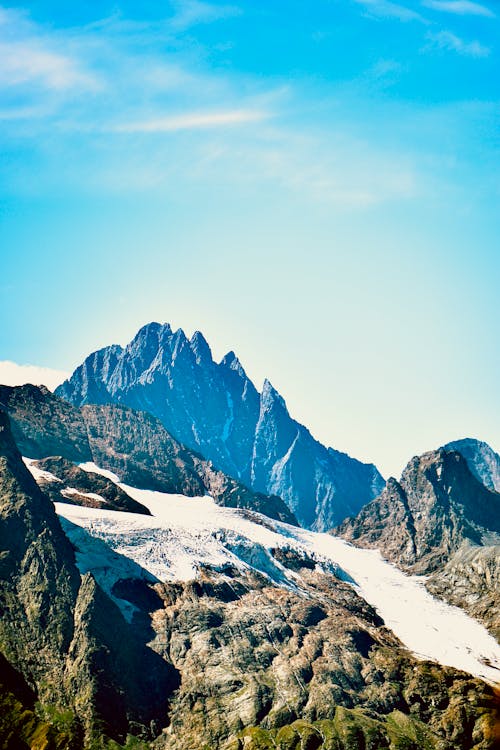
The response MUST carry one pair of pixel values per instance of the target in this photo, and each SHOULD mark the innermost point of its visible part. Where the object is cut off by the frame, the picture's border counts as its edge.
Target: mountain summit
(214, 408)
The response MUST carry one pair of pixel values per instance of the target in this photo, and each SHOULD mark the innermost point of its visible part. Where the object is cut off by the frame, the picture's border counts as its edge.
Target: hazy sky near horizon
(315, 186)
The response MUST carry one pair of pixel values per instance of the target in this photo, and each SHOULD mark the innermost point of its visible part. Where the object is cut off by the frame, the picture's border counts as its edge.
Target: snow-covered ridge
(185, 533)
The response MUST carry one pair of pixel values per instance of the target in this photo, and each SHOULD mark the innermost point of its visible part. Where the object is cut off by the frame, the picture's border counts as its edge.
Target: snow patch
(91, 468)
(69, 491)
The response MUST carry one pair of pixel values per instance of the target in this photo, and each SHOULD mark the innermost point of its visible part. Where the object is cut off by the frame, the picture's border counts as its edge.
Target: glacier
(185, 533)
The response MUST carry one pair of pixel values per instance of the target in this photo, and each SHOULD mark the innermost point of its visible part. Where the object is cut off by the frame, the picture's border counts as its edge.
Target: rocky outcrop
(132, 444)
(62, 635)
(481, 459)
(422, 520)
(215, 409)
(259, 662)
(64, 482)
(44, 425)
(471, 580)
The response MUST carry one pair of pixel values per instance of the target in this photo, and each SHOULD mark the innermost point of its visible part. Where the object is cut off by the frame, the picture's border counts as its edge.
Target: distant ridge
(214, 408)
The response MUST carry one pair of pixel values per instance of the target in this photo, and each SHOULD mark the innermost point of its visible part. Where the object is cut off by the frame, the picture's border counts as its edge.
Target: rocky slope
(64, 482)
(214, 408)
(440, 519)
(471, 579)
(65, 646)
(276, 651)
(481, 459)
(422, 520)
(134, 445)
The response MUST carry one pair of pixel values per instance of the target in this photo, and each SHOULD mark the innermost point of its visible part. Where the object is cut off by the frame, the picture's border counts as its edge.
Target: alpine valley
(183, 566)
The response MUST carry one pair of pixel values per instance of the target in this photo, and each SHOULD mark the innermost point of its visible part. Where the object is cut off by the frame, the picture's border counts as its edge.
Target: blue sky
(315, 186)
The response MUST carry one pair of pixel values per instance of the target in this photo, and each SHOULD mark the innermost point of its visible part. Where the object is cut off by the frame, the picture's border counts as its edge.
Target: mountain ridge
(214, 408)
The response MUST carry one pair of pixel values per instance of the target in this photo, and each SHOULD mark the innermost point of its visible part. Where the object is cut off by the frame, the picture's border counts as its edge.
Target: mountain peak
(481, 459)
(231, 362)
(200, 347)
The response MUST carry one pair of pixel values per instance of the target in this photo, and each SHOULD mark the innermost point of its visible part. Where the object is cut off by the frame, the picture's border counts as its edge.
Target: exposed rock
(63, 636)
(215, 409)
(269, 663)
(134, 445)
(482, 460)
(74, 485)
(43, 424)
(421, 521)
(471, 580)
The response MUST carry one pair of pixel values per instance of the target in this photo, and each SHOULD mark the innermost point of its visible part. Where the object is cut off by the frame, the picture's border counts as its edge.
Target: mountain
(134, 445)
(70, 658)
(215, 409)
(440, 519)
(482, 460)
(200, 627)
(420, 521)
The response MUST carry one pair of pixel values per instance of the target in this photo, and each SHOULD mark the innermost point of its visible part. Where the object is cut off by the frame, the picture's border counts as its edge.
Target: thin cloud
(193, 12)
(387, 9)
(30, 62)
(459, 7)
(446, 40)
(192, 121)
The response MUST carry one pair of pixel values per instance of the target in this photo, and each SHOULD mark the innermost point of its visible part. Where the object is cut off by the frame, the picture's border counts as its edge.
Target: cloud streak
(387, 9)
(193, 121)
(460, 7)
(446, 40)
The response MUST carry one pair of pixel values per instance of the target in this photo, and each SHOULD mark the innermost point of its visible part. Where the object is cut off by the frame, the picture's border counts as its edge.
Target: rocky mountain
(471, 580)
(264, 643)
(422, 520)
(440, 519)
(134, 445)
(482, 460)
(214, 408)
(73, 669)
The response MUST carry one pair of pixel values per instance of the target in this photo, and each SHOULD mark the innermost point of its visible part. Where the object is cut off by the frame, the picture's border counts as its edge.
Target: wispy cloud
(192, 121)
(193, 12)
(460, 7)
(30, 62)
(446, 40)
(30, 56)
(387, 9)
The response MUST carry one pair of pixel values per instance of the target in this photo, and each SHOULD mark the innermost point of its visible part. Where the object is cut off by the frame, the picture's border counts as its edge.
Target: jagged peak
(231, 362)
(200, 347)
(468, 442)
(270, 395)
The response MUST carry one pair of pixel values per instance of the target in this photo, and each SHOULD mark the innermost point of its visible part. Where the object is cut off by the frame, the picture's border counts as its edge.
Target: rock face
(259, 662)
(440, 519)
(44, 425)
(60, 635)
(64, 482)
(481, 459)
(471, 580)
(132, 444)
(422, 520)
(215, 409)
